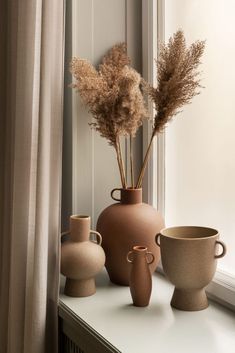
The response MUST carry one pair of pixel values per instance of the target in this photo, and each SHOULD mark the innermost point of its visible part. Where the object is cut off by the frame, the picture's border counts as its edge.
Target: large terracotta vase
(127, 223)
(140, 276)
(81, 259)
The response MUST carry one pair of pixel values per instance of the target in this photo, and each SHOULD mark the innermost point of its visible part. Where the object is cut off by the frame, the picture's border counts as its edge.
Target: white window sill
(157, 328)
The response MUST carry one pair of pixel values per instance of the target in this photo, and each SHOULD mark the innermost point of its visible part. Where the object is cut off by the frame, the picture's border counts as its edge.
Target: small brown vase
(140, 275)
(189, 259)
(125, 224)
(81, 259)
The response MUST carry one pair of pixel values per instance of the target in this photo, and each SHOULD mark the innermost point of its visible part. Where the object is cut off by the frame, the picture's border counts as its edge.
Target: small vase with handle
(81, 258)
(140, 275)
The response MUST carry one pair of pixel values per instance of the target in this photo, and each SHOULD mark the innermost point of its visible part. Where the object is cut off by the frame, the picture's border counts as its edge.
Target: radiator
(68, 346)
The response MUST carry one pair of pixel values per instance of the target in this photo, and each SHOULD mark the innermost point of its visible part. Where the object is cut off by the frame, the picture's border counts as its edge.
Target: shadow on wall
(66, 209)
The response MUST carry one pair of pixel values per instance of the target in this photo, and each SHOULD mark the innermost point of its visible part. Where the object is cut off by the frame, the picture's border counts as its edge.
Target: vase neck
(80, 228)
(139, 253)
(131, 196)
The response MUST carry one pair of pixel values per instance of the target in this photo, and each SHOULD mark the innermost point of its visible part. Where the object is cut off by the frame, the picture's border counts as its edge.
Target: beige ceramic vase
(125, 224)
(81, 259)
(189, 258)
(140, 275)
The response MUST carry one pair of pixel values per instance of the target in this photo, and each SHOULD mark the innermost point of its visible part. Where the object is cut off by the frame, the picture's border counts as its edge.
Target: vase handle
(98, 236)
(153, 257)
(128, 258)
(114, 198)
(157, 239)
(224, 249)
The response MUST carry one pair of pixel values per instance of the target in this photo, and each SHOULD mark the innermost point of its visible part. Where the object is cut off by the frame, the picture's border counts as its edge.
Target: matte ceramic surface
(125, 224)
(189, 258)
(81, 259)
(140, 276)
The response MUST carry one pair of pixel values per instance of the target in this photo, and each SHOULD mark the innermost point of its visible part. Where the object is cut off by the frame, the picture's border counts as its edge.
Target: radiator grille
(69, 346)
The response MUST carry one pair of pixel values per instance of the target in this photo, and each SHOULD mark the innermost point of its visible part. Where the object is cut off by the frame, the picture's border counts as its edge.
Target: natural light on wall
(200, 142)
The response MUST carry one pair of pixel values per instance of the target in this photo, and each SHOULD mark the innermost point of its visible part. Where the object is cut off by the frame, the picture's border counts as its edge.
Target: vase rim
(206, 233)
(139, 248)
(131, 189)
(80, 216)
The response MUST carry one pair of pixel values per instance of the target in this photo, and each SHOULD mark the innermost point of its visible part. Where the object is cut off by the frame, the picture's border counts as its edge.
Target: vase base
(79, 288)
(119, 281)
(189, 300)
(140, 304)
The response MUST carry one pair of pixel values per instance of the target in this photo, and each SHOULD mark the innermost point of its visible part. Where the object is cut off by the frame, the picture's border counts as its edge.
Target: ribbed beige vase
(140, 276)
(189, 258)
(81, 258)
(125, 224)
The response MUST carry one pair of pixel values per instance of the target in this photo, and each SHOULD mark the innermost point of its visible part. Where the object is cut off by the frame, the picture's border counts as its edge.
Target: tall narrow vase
(140, 276)
(125, 224)
(81, 259)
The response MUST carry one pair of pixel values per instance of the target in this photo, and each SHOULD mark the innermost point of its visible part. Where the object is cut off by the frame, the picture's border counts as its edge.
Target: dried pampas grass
(113, 96)
(177, 83)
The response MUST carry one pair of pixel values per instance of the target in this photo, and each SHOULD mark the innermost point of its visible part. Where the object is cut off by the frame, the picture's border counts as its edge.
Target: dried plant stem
(120, 163)
(146, 158)
(132, 163)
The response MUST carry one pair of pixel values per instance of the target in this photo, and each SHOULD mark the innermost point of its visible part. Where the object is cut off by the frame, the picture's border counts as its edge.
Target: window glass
(200, 142)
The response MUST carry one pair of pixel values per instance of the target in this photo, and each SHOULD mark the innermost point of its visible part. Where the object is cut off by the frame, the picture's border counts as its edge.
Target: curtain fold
(31, 110)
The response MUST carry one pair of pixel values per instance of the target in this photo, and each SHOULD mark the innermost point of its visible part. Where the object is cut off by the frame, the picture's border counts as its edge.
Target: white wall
(200, 143)
(96, 26)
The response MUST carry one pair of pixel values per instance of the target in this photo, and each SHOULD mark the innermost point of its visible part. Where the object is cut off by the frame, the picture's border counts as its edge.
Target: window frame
(222, 287)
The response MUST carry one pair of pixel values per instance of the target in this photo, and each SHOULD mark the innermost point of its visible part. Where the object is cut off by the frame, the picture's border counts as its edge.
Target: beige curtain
(31, 99)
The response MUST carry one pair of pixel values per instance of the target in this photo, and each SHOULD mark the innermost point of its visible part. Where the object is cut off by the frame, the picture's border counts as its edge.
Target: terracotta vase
(140, 276)
(189, 259)
(125, 224)
(81, 259)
